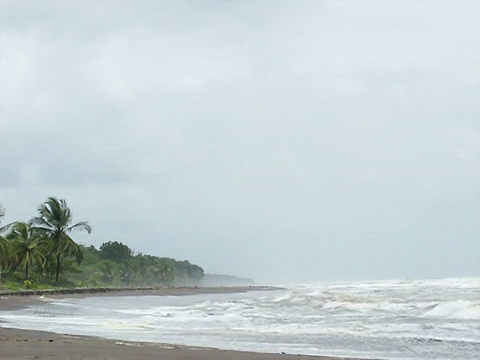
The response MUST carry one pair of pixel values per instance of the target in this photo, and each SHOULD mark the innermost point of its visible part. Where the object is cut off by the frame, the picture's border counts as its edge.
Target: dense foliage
(41, 252)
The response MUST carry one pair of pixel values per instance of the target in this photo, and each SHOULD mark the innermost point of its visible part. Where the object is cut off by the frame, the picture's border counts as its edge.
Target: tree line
(41, 252)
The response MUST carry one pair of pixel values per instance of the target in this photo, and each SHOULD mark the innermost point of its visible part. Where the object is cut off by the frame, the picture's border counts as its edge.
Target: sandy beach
(22, 344)
(27, 344)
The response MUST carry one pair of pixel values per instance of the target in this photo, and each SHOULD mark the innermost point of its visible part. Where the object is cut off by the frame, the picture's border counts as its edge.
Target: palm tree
(107, 272)
(28, 244)
(2, 212)
(55, 220)
(6, 254)
(8, 257)
(163, 272)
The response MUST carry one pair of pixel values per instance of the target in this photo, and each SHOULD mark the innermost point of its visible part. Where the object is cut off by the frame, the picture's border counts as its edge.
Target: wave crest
(460, 309)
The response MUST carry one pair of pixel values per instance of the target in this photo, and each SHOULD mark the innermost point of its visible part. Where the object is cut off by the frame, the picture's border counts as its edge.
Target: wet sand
(23, 344)
(27, 344)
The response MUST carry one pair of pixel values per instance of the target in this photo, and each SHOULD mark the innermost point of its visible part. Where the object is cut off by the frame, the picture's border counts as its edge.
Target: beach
(26, 344)
(434, 319)
(30, 344)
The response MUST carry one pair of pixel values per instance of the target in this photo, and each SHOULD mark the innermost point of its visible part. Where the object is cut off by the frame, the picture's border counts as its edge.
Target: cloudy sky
(279, 140)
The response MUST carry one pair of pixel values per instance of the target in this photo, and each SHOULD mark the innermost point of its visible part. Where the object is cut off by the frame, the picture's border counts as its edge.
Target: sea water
(396, 319)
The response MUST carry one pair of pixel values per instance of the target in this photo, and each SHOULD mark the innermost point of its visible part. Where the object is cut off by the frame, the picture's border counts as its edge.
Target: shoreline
(158, 290)
(20, 344)
(14, 300)
(23, 344)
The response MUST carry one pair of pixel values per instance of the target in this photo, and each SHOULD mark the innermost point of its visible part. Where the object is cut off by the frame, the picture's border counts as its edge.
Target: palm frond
(7, 227)
(83, 225)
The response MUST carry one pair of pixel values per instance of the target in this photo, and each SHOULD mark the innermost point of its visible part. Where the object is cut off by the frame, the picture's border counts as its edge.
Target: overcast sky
(279, 140)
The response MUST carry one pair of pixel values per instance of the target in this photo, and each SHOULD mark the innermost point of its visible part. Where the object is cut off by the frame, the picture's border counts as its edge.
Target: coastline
(11, 300)
(29, 344)
(171, 290)
(22, 344)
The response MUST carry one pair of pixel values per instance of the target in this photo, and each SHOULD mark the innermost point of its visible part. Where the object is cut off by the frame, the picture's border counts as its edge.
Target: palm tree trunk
(26, 271)
(58, 268)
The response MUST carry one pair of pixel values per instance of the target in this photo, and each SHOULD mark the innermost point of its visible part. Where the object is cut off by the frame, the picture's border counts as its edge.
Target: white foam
(460, 309)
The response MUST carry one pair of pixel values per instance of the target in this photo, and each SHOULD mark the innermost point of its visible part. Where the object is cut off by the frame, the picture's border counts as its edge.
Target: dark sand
(27, 344)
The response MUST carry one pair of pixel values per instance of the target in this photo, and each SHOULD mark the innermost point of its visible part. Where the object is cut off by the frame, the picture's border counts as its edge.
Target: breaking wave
(459, 309)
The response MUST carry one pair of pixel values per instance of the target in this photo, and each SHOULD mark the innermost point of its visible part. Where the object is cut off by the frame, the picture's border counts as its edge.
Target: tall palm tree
(55, 220)
(28, 245)
(6, 253)
(8, 257)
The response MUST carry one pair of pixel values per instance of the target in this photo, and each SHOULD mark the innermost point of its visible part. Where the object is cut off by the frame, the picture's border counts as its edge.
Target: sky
(287, 141)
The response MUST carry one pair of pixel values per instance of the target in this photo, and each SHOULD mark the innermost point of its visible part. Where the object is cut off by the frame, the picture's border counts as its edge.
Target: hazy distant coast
(226, 280)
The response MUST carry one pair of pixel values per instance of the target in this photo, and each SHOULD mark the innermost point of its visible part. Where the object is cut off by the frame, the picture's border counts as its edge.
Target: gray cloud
(286, 141)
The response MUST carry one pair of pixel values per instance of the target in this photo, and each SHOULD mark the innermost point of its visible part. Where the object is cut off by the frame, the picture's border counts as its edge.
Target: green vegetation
(40, 253)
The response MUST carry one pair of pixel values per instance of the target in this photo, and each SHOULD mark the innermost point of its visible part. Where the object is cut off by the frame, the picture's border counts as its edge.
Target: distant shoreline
(13, 300)
(171, 290)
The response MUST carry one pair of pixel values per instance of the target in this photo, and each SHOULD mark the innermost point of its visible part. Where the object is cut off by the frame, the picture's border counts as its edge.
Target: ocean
(394, 319)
